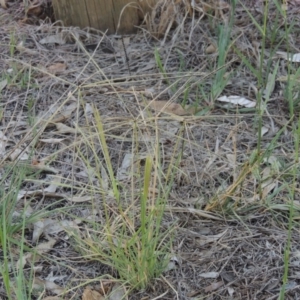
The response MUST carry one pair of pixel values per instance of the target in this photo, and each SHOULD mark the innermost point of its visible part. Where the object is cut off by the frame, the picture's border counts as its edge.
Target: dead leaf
(20, 47)
(231, 159)
(118, 292)
(230, 291)
(211, 49)
(170, 108)
(52, 226)
(37, 230)
(3, 83)
(264, 130)
(19, 154)
(57, 68)
(62, 128)
(173, 263)
(194, 211)
(238, 100)
(209, 275)
(53, 185)
(46, 247)
(60, 114)
(50, 277)
(51, 141)
(3, 143)
(124, 170)
(80, 199)
(214, 286)
(53, 39)
(48, 285)
(88, 109)
(270, 86)
(3, 4)
(22, 261)
(40, 249)
(288, 56)
(89, 294)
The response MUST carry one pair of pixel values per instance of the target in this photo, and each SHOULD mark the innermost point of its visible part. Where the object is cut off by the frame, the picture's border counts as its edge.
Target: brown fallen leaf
(90, 294)
(57, 68)
(171, 108)
(211, 49)
(214, 286)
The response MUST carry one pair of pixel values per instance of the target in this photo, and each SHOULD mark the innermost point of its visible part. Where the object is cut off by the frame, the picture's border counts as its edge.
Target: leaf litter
(53, 104)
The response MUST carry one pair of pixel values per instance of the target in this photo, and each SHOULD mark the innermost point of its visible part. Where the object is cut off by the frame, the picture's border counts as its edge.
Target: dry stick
(124, 48)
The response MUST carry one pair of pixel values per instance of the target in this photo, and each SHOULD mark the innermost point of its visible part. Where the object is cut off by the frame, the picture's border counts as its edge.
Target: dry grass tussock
(79, 113)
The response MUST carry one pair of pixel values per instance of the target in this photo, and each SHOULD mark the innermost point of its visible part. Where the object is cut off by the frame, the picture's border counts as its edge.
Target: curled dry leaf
(238, 100)
(211, 49)
(57, 68)
(49, 226)
(89, 294)
(48, 285)
(170, 108)
(20, 47)
(53, 39)
(62, 128)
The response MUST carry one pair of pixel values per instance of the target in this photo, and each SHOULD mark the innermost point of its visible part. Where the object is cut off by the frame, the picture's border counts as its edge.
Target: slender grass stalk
(8, 228)
(292, 191)
(160, 65)
(106, 155)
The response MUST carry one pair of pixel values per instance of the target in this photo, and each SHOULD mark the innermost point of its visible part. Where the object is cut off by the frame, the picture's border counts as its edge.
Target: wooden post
(101, 14)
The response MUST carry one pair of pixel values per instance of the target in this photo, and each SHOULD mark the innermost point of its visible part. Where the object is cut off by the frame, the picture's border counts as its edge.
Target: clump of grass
(12, 239)
(132, 239)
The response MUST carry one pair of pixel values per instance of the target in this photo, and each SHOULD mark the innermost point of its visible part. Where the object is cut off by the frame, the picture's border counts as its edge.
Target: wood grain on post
(101, 14)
